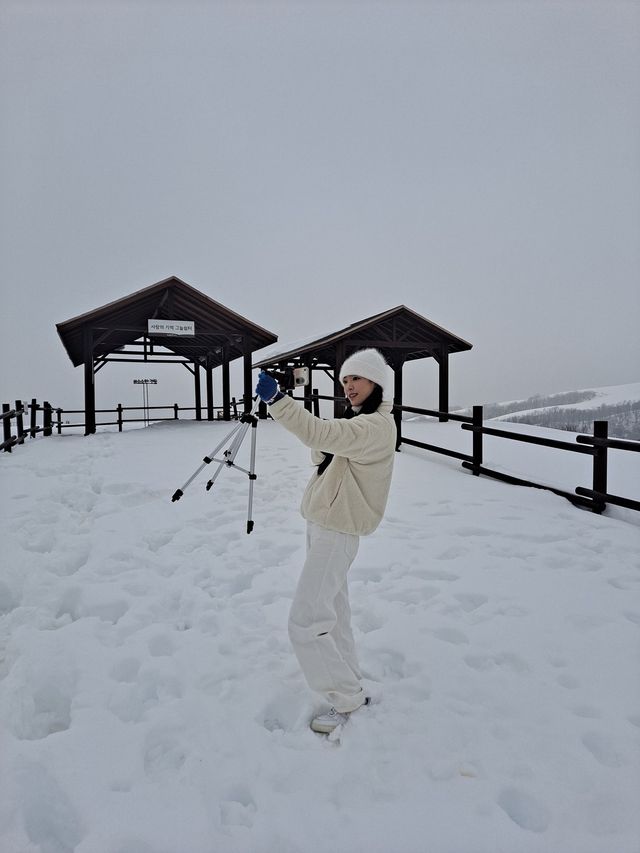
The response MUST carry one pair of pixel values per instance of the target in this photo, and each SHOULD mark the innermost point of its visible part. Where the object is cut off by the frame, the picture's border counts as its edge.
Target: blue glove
(267, 387)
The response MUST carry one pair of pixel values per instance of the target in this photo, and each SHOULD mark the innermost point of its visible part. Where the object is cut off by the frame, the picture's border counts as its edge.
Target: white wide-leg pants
(320, 619)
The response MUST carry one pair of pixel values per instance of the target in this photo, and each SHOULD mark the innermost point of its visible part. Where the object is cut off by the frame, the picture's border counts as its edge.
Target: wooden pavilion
(400, 334)
(168, 322)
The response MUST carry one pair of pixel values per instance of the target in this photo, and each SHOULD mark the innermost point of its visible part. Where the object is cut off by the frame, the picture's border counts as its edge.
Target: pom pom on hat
(370, 364)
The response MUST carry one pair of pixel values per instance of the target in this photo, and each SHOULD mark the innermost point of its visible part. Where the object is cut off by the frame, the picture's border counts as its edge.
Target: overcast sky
(309, 164)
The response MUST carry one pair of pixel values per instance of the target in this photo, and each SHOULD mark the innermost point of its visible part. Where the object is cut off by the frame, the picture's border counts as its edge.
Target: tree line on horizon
(624, 417)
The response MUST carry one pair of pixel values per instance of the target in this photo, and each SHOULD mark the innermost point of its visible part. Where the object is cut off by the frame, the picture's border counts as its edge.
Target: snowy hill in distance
(576, 410)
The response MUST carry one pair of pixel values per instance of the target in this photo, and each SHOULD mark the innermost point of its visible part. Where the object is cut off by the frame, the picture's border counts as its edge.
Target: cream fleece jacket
(351, 495)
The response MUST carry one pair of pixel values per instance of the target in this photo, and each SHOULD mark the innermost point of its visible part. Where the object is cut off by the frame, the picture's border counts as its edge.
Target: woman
(345, 499)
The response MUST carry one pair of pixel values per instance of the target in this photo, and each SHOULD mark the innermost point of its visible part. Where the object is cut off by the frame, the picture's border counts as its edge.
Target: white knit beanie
(370, 364)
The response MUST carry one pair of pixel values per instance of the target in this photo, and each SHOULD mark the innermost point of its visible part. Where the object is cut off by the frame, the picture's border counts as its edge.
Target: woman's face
(357, 389)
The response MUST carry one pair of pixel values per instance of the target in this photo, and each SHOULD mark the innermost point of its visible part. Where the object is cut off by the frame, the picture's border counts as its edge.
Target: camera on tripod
(291, 377)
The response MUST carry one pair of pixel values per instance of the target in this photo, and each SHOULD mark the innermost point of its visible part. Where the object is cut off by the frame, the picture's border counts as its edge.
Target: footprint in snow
(9, 600)
(125, 670)
(451, 635)
(238, 807)
(50, 820)
(474, 531)
(437, 575)
(70, 558)
(603, 749)
(453, 552)
(416, 692)
(107, 611)
(159, 539)
(623, 582)
(471, 601)
(280, 714)
(368, 621)
(161, 646)
(568, 682)
(388, 663)
(164, 754)
(130, 701)
(46, 709)
(39, 541)
(587, 712)
(504, 660)
(524, 810)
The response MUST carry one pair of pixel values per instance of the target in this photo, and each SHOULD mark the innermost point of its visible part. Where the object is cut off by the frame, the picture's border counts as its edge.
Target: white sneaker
(326, 723)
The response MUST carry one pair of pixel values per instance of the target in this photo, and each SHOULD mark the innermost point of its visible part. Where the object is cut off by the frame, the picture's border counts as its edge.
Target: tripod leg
(215, 476)
(252, 474)
(222, 443)
(230, 454)
(207, 459)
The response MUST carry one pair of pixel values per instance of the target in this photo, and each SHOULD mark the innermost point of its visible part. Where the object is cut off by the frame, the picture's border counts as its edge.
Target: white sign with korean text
(171, 327)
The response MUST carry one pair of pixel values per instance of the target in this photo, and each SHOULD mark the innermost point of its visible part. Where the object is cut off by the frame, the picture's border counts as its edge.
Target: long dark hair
(369, 406)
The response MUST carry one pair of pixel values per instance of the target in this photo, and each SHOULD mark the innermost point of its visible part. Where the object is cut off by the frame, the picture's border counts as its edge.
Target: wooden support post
(47, 418)
(209, 374)
(89, 383)
(306, 390)
(34, 414)
(20, 422)
(316, 402)
(600, 430)
(397, 398)
(443, 382)
(6, 428)
(338, 391)
(198, 393)
(226, 386)
(477, 441)
(247, 374)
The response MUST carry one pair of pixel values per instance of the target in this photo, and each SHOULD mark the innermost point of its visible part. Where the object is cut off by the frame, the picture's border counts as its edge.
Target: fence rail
(52, 418)
(597, 445)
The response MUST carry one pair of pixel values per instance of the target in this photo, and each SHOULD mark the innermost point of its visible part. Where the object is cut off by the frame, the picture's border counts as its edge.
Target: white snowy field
(151, 704)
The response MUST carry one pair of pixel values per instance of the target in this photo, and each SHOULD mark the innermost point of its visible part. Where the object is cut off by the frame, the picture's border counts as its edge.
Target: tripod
(238, 433)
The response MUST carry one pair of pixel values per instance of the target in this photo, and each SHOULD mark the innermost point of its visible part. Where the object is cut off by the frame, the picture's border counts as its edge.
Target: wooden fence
(597, 445)
(52, 418)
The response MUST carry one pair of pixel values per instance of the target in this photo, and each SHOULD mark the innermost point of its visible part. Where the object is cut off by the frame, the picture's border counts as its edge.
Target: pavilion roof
(398, 330)
(124, 320)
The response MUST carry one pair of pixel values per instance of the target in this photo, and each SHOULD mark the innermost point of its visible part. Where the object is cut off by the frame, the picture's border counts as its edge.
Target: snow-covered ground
(151, 703)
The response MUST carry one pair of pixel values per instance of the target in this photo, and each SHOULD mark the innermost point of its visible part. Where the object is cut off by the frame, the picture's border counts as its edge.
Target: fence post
(477, 440)
(59, 421)
(316, 402)
(46, 418)
(600, 430)
(6, 427)
(34, 412)
(175, 411)
(19, 421)
(119, 411)
(234, 403)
